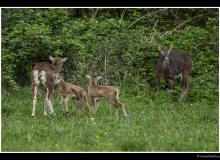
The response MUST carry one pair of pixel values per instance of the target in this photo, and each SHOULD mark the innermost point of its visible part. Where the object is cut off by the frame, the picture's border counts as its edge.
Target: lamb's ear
(88, 76)
(99, 77)
(64, 59)
(51, 58)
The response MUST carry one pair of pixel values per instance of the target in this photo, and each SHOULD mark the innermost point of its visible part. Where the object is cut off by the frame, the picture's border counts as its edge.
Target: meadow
(155, 122)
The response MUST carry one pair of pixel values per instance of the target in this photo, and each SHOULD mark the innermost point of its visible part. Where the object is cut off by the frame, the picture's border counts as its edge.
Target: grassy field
(155, 122)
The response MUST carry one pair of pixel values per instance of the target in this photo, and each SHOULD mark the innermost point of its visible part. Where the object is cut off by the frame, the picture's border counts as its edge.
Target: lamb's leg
(87, 104)
(64, 103)
(47, 105)
(84, 101)
(93, 104)
(34, 92)
(158, 83)
(123, 110)
(49, 100)
(96, 105)
(65, 99)
(170, 84)
(185, 86)
(46, 109)
(115, 101)
(119, 106)
(78, 106)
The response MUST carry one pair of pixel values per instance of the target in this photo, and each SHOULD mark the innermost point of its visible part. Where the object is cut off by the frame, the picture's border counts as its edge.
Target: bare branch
(181, 24)
(145, 16)
(106, 81)
(122, 15)
(96, 11)
(152, 37)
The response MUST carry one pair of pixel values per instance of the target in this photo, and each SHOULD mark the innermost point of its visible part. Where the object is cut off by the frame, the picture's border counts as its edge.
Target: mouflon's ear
(64, 59)
(88, 76)
(99, 77)
(51, 58)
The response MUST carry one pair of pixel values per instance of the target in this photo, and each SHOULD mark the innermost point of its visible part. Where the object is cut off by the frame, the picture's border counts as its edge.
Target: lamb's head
(94, 78)
(58, 62)
(56, 78)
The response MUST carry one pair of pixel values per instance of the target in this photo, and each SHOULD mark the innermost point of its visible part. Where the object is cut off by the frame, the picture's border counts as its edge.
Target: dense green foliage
(128, 37)
(155, 123)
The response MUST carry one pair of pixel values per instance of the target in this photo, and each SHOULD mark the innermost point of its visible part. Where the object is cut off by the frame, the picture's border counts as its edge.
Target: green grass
(155, 122)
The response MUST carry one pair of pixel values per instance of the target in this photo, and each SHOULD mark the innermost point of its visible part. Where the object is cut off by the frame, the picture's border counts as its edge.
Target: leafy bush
(128, 37)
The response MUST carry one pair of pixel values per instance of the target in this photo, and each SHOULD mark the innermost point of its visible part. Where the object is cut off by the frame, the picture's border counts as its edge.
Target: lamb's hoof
(33, 115)
(181, 98)
(53, 114)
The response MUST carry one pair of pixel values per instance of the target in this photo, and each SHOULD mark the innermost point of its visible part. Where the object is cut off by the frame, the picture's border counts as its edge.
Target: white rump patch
(179, 76)
(35, 75)
(72, 95)
(47, 94)
(43, 77)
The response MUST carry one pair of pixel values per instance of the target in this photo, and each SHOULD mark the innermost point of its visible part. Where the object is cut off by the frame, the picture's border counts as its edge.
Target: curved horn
(159, 48)
(169, 50)
(161, 51)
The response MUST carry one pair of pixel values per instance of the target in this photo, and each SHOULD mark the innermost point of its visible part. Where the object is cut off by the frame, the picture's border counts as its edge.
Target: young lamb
(69, 90)
(110, 93)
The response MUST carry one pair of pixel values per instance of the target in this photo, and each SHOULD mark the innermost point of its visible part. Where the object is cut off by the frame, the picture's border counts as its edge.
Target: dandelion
(29, 138)
(93, 121)
(97, 139)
